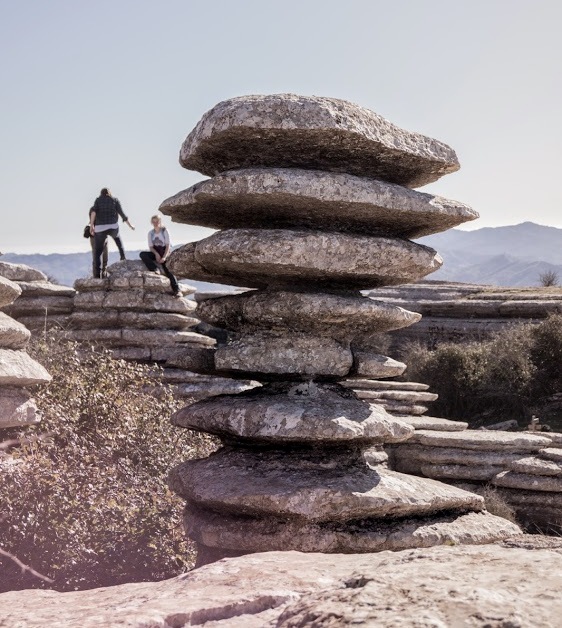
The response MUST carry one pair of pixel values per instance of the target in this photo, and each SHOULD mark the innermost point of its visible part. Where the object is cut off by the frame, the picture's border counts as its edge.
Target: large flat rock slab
(434, 423)
(45, 289)
(289, 355)
(375, 384)
(18, 369)
(21, 272)
(482, 440)
(246, 534)
(91, 319)
(294, 413)
(371, 364)
(140, 337)
(460, 472)
(528, 481)
(17, 408)
(315, 133)
(258, 258)
(312, 199)
(13, 335)
(336, 316)
(9, 291)
(478, 586)
(536, 466)
(34, 305)
(132, 300)
(311, 487)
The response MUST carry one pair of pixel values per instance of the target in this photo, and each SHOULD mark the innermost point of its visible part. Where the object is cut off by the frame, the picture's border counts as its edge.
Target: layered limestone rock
(524, 468)
(19, 373)
(41, 304)
(456, 312)
(301, 465)
(133, 313)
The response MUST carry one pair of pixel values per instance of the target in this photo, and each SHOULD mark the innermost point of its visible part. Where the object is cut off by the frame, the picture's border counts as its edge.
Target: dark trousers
(104, 257)
(100, 240)
(149, 260)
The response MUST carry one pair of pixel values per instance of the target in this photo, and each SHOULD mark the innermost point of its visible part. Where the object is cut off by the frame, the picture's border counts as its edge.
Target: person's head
(105, 192)
(156, 221)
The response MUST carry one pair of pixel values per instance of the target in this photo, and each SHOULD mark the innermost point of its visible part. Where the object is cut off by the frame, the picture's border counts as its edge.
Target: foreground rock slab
(289, 130)
(514, 584)
(312, 199)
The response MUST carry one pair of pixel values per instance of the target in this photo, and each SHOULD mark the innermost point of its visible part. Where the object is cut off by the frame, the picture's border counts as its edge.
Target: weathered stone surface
(132, 300)
(459, 472)
(282, 257)
(311, 487)
(482, 440)
(44, 321)
(9, 291)
(370, 364)
(454, 455)
(205, 387)
(45, 289)
(17, 408)
(551, 453)
(336, 316)
(407, 396)
(313, 199)
(21, 272)
(535, 466)
(296, 354)
(555, 437)
(91, 319)
(194, 358)
(511, 479)
(44, 305)
(434, 423)
(13, 335)
(246, 534)
(91, 284)
(375, 384)
(18, 369)
(315, 133)
(375, 455)
(282, 413)
(478, 586)
(140, 337)
(397, 407)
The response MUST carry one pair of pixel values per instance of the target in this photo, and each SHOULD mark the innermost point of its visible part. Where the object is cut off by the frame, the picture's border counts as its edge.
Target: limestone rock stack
(133, 313)
(42, 304)
(313, 201)
(18, 371)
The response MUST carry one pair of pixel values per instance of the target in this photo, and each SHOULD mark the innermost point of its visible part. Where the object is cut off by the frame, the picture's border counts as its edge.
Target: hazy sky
(103, 93)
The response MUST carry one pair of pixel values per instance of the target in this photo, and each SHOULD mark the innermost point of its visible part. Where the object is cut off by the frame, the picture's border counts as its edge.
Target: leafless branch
(25, 568)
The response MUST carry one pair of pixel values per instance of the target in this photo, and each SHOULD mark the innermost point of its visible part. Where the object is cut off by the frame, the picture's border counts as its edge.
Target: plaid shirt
(107, 210)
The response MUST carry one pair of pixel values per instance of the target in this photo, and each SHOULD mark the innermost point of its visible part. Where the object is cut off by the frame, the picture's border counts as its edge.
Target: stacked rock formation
(42, 304)
(132, 313)
(312, 199)
(524, 468)
(18, 371)
(457, 312)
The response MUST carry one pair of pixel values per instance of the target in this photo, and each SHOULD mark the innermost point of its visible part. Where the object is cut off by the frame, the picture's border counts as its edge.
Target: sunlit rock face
(313, 201)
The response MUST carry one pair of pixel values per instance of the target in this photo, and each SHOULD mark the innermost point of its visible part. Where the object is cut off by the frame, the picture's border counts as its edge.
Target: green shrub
(89, 506)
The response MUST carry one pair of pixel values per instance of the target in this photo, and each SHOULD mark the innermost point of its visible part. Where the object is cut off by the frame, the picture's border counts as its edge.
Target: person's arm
(167, 241)
(92, 220)
(122, 213)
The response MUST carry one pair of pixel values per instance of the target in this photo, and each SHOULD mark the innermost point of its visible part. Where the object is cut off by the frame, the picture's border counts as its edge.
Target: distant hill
(514, 255)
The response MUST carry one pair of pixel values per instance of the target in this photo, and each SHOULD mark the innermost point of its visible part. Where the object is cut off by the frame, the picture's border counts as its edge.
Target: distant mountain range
(503, 256)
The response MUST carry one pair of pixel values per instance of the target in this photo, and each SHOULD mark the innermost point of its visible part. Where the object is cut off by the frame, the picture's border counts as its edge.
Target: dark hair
(105, 192)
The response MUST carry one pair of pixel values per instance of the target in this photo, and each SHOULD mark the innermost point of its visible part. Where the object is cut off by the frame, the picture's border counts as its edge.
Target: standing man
(104, 218)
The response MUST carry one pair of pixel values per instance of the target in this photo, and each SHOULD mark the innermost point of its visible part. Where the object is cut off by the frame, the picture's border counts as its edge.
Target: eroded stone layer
(337, 316)
(332, 486)
(9, 291)
(289, 413)
(258, 258)
(247, 534)
(312, 199)
(19, 369)
(311, 132)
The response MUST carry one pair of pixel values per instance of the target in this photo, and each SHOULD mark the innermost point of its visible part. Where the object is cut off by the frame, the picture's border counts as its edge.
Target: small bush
(90, 507)
(497, 505)
(548, 278)
(502, 378)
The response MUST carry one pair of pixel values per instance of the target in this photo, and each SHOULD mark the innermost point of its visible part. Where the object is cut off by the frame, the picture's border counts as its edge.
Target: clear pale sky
(103, 93)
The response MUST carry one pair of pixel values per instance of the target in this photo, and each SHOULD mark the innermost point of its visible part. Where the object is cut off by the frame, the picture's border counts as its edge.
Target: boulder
(288, 355)
(482, 440)
(281, 413)
(312, 487)
(18, 369)
(283, 257)
(13, 335)
(9, 291)
(17, 408)
(21, 272)
(313, 199)
(336, 316)
(315, 133)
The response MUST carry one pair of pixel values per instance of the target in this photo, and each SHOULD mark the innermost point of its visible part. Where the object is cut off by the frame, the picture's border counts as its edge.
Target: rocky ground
(514, 584)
